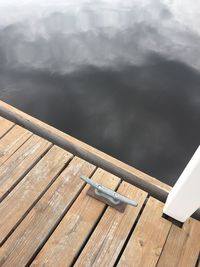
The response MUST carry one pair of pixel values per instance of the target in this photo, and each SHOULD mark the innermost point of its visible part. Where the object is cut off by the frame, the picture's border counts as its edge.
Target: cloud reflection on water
(123, 77)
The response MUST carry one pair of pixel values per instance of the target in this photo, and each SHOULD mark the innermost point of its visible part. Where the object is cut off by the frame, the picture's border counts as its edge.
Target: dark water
(145, 113)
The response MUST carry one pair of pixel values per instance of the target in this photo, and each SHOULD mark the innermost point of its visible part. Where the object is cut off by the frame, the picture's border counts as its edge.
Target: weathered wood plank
(69, 237)
(12, 141)
(15, 168)
(107, 240)
(46, 214)
(100, 159)
(5, 126)
(182, 246)
(148, 238)
(15, 206)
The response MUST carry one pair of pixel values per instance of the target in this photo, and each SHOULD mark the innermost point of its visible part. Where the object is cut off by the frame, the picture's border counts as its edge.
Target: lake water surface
(125, 78)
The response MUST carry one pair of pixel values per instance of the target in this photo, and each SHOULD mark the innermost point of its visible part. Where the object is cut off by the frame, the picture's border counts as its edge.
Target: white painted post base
(184, 198)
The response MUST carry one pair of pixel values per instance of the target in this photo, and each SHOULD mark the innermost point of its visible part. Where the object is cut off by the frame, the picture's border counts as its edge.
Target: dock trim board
(154, 187)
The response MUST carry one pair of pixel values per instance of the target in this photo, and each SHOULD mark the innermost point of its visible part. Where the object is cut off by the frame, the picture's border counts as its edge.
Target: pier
(48, 219)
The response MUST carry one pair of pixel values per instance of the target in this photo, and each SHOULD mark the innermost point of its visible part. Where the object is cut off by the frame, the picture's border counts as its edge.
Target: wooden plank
(148, 238)
(5, 126)
(106, 242)
(20, 200)
(34, 230)
(112, 165)
(12, 141)
(67, 240)
(182, 246)
(15, 168)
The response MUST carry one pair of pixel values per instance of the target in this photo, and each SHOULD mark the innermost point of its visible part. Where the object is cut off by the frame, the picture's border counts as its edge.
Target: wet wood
(148, 238)
(12, 141)
(20, 163)
(182, 246)
(30, 189)
(108, 238)
(67, 240)
(5, 126)
(45, 215)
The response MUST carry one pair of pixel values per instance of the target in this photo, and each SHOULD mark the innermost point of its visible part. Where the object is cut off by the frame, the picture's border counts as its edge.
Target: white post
(184, 198)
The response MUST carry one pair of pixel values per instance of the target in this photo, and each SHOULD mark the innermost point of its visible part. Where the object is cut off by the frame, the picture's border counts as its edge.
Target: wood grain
(69, 237)
(15, 206)
(182, 246)
(5, 126)
(148, 238)
(109, 236)
(39, 223)
(14, 169)
(10, 142)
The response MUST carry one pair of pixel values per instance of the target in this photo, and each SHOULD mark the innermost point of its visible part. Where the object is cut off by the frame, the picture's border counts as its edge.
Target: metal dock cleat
(107, 195)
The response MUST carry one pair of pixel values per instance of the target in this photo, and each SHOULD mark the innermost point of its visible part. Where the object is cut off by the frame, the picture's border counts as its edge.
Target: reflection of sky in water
(122, 76)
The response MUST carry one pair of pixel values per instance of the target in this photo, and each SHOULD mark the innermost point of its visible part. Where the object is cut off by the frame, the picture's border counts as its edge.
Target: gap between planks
(72, 233)
(5, 126)
(35, 229)
(21, 162)
(131, 231)
(12, 141)
(97, 202)
(146, 242)
(26, 194)
(108, 238)
(182, 245)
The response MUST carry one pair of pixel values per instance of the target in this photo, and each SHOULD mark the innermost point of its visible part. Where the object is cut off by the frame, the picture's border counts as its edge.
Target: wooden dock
(47, 219)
